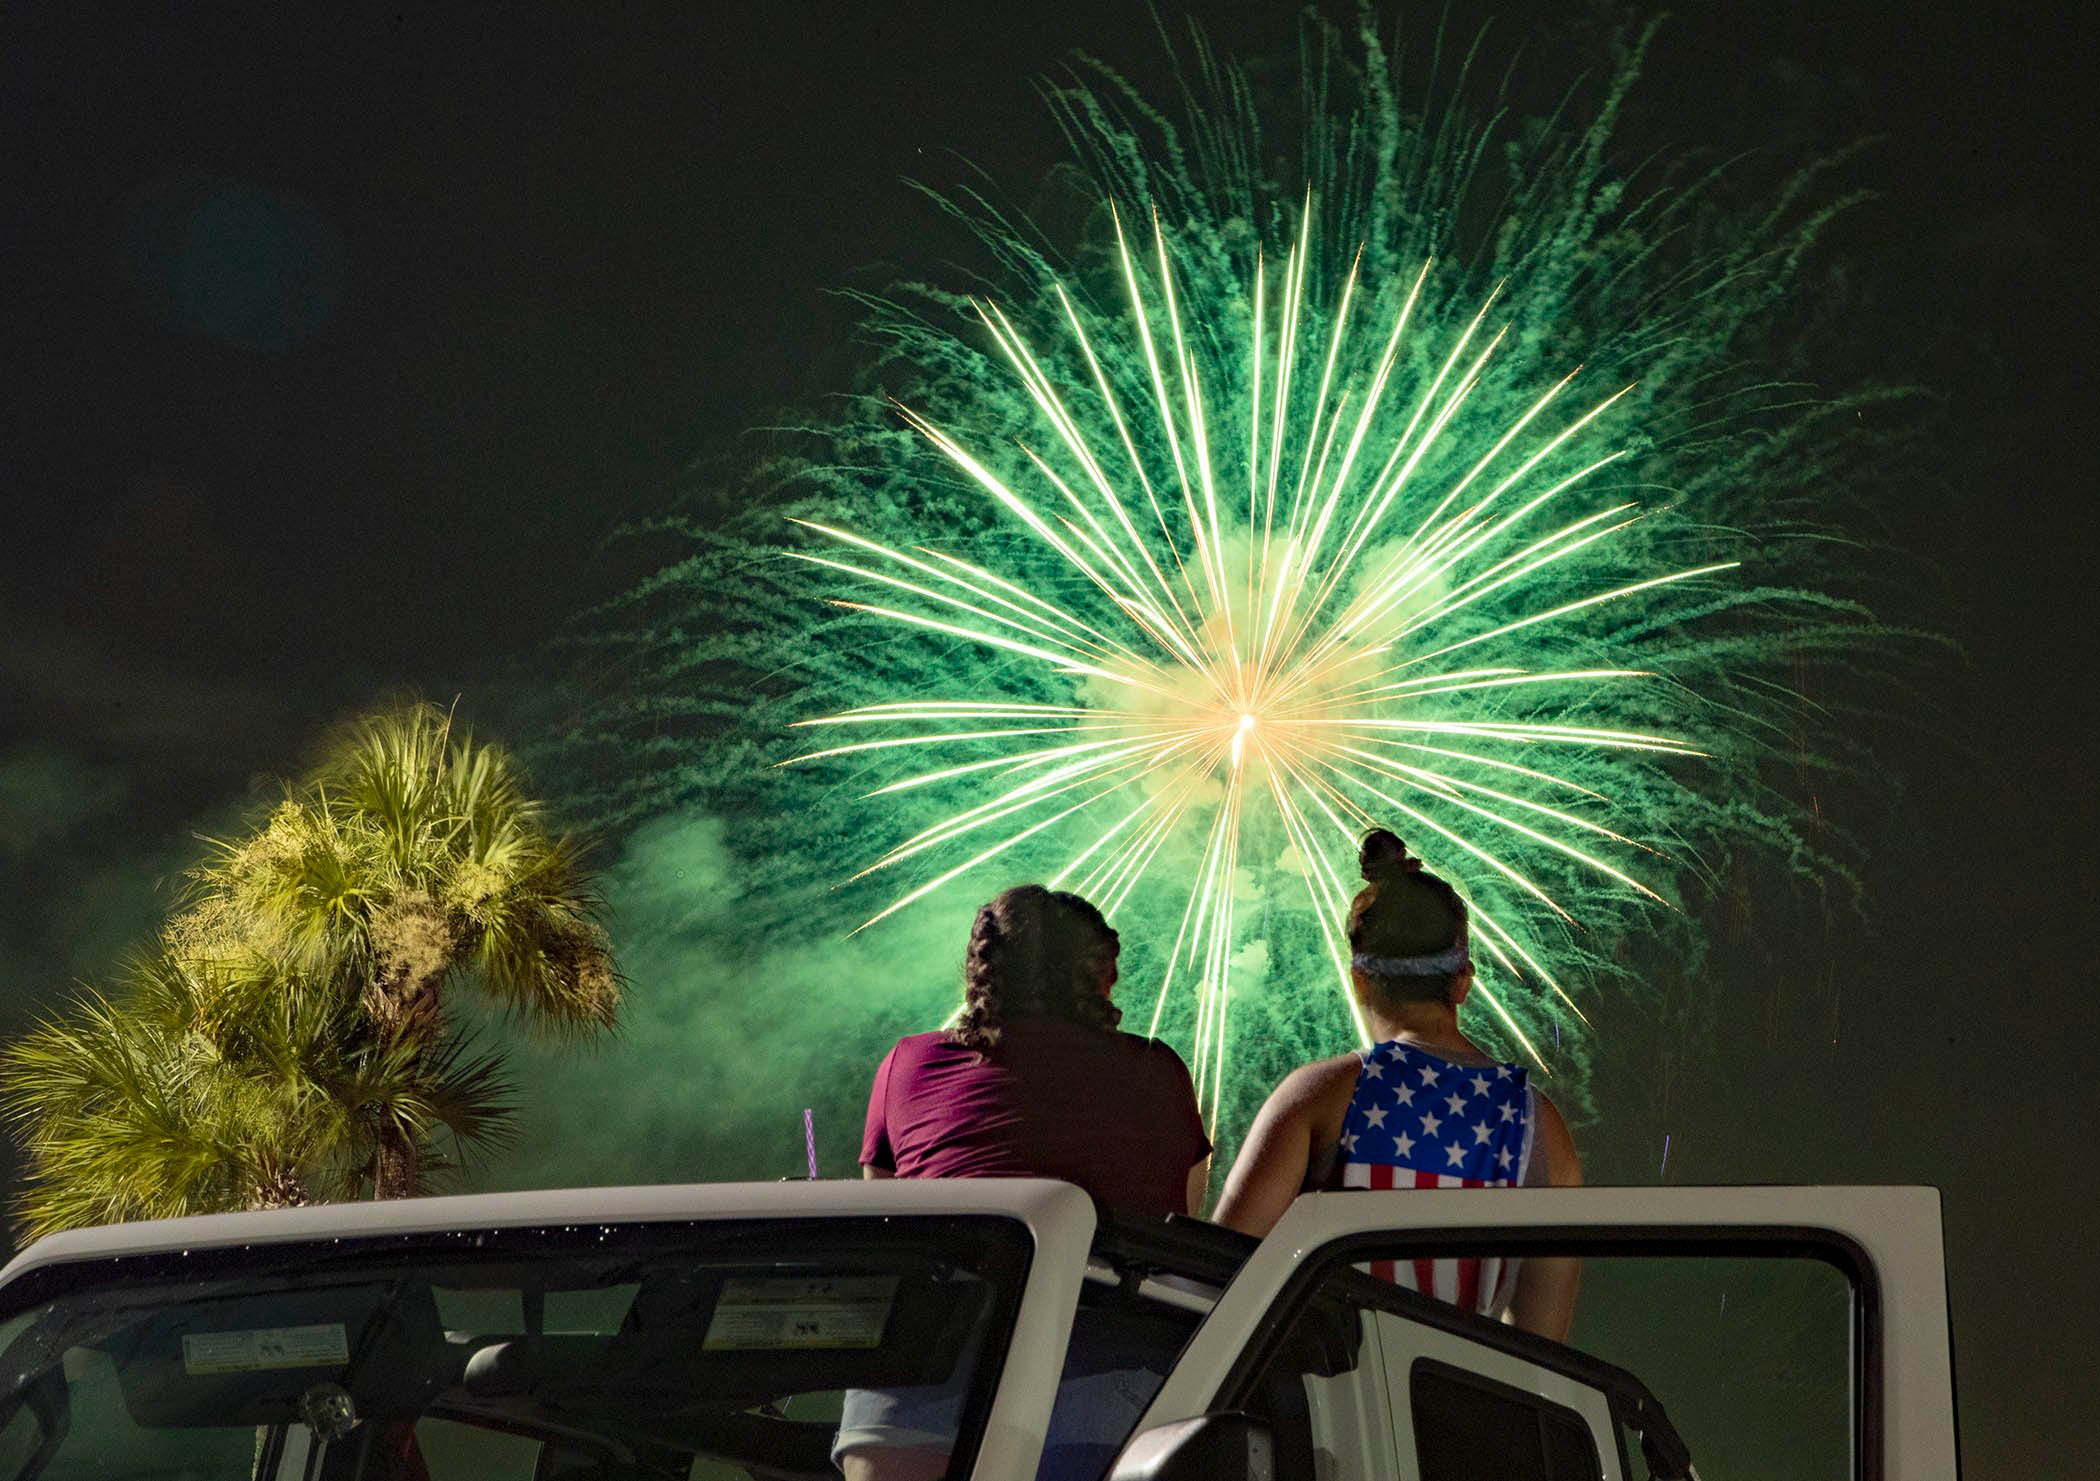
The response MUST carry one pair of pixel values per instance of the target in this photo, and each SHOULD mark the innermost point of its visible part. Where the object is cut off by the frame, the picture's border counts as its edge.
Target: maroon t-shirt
(1109, 1111)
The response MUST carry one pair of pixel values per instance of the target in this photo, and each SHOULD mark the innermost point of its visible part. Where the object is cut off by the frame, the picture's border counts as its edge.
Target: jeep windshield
(713, 1349)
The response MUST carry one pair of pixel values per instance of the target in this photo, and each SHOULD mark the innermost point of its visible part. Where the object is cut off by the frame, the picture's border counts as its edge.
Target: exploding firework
(1282, 626)
(1208, 533)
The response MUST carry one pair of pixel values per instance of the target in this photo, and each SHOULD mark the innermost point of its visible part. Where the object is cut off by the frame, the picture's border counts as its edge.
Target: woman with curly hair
(1033, 1079)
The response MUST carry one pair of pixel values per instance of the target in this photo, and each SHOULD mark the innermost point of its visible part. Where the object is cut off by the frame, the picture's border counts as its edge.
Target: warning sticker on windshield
(264, 1348)
(768, 1314)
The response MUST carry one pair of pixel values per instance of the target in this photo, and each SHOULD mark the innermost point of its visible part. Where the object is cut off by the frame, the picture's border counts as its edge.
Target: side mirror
(1210, 1447)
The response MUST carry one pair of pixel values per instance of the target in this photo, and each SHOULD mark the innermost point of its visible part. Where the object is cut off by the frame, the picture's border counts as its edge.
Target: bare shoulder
(1318, 1082)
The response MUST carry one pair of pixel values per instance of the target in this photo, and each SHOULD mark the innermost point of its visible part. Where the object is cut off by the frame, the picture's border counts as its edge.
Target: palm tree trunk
(394, 1168)
(406, 1011)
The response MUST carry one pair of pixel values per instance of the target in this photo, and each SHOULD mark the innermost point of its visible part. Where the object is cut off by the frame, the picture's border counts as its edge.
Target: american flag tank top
(1417, 1121)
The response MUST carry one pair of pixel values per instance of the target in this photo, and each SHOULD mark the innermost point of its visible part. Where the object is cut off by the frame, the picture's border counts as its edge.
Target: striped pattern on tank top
(1417, 1122)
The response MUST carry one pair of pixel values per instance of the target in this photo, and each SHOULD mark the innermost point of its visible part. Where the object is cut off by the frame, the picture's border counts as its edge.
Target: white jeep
(1006, 1327)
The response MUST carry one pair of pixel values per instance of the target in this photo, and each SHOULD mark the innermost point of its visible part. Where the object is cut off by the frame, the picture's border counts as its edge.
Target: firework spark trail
(1213, 687)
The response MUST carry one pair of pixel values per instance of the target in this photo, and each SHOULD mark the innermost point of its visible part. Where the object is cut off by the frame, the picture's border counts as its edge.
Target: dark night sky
(338, 345)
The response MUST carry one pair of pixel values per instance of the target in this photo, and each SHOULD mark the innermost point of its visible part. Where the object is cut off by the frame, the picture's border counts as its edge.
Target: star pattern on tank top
(1470, 1127)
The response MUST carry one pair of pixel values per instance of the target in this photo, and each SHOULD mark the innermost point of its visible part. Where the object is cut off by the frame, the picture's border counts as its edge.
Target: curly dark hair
(1034, 950)
(1403, 910)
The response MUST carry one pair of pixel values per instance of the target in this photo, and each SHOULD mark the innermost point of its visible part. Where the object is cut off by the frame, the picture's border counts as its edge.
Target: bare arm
(1545, 1297)
(870, 1173)
(1299, 1118)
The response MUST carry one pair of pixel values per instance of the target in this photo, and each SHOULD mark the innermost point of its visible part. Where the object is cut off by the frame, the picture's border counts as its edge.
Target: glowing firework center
(1287, 600)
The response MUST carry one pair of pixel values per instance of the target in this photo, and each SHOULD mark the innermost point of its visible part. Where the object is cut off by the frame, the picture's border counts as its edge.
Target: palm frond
(287, 1027)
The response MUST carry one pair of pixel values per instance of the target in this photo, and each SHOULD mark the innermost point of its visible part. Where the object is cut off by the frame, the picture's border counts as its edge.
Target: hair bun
(1383, 856)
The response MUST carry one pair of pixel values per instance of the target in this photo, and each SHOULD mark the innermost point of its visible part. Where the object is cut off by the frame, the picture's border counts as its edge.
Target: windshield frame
(1060, 1218)
(999, 1248)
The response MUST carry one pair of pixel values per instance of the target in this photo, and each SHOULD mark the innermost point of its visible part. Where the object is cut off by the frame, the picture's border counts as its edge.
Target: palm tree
(209, 1086)
(412, 860)
(287, 1036)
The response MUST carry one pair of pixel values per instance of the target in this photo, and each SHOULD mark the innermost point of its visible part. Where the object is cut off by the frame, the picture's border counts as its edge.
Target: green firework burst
(1269, 500)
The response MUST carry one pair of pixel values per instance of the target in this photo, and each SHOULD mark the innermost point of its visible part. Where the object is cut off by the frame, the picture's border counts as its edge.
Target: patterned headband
(1449, 962)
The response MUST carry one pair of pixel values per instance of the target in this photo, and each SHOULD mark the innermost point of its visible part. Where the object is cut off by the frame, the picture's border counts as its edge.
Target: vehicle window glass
(493, 1310)
(1629, 1448)
(1751, 1357)
(1124, 1342)
(19, 1439)
(714, 1350)
(117, 1445)
(589, 1311)
(1467, 1430)
(1571, 1450)
(452, 1451)
(21, 1433)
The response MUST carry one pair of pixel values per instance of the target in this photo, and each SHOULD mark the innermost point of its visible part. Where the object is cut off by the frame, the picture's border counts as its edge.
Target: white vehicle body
(1240, 1310)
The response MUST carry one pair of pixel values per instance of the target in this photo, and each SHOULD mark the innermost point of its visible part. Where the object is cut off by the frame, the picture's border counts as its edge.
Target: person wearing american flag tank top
(1423, 1108)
